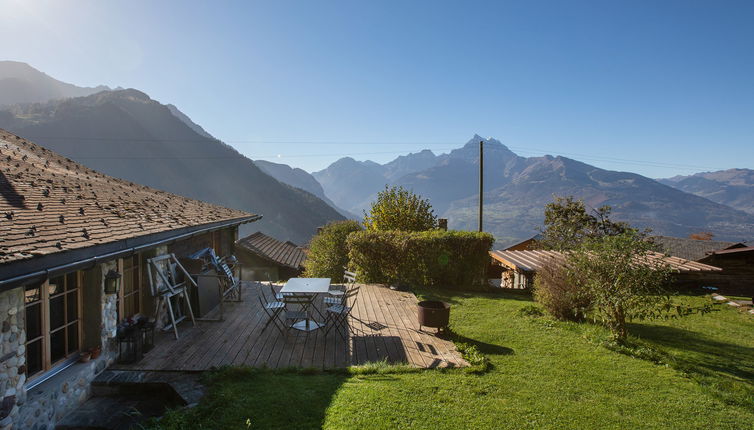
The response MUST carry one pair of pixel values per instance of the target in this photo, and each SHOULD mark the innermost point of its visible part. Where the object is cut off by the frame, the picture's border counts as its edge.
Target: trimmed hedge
(454, 259)
(327, 250)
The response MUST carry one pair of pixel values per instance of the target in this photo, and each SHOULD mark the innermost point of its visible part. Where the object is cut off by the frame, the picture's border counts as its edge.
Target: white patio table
(310, 287)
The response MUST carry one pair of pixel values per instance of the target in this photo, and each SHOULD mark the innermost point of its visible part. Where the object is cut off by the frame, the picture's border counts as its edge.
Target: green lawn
(695, 372)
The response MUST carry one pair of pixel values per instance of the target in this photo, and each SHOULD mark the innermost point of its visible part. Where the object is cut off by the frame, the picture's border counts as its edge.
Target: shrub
(453, 259)
(399, 209)
(327, 251)
(562, 298)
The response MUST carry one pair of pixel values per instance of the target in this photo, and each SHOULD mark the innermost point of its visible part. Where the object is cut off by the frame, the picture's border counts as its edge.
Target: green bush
(327, 251)
(455, 259)
(559, 295)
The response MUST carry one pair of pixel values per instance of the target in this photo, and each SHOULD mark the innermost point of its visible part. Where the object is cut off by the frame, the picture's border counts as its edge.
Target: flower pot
(85, 356)
(95, 352)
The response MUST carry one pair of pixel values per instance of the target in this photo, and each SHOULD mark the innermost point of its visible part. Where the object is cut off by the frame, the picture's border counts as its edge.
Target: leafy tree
(568, 224)
(327, 250)
(399, 209)
(623, 278)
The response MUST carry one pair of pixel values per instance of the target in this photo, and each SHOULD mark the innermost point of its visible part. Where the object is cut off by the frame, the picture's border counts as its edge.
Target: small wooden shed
(519, 267)
(263, 257)
(737, 277)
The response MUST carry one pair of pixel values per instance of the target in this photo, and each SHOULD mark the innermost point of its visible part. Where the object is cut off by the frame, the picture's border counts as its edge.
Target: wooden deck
(383, 327)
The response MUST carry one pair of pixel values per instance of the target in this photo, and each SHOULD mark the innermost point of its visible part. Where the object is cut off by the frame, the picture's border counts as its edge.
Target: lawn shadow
(483, 347)
(264, 397)
(699, 352)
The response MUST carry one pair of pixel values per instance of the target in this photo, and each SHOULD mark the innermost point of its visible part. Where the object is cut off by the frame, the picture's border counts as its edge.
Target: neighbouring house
(263, 257)
(737, 277)
(691, 249)
(63, 228)
(519, 267)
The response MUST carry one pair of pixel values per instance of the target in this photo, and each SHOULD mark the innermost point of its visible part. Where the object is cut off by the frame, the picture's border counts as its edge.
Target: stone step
(185, 386)
(122, 399)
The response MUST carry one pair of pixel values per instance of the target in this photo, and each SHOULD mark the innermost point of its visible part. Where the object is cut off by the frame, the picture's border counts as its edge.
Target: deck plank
(239, 339)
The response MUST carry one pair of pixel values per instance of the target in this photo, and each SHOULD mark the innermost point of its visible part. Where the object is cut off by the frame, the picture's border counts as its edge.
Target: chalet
(519, 267)
(265, 257)
(68, 235)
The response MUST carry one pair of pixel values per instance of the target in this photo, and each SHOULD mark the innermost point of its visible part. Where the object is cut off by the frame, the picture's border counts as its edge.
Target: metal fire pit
(433, 313)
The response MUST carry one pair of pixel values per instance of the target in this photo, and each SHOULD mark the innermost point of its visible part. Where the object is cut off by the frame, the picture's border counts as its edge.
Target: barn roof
(532, 261)
(52, 205)
(284, 253)
(691, 249)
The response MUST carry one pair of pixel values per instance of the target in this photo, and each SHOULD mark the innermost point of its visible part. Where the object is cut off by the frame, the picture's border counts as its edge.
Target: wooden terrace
(383, 327)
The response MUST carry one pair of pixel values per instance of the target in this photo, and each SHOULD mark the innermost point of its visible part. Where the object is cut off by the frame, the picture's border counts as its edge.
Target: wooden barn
(737, 276)
(519, 267)
(266, 258)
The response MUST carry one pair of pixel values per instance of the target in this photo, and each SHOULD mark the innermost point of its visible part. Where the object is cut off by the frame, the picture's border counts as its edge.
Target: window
(129, 296)
(53, 327)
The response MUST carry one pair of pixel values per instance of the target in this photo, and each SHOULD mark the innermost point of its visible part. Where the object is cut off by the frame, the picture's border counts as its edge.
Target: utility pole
(481, 182)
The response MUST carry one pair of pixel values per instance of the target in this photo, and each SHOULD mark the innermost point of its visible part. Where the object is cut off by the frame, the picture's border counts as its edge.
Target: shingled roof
(50, 204)
(532, 261)
(691, 249)
(284, 253)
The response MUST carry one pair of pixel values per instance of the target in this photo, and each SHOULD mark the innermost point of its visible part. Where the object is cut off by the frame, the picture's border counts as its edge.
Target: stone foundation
(12, 356)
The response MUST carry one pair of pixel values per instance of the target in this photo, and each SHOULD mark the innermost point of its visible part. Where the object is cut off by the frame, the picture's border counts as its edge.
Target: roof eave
(14, 274)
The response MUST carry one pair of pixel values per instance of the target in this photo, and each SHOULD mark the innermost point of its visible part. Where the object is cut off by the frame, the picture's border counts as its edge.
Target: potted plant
(95, 351)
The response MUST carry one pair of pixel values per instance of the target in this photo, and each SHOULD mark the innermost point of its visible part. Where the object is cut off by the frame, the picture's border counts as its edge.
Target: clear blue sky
(667, 83)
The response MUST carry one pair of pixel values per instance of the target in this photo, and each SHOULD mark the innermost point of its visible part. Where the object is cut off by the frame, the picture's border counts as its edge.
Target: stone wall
(12, 356)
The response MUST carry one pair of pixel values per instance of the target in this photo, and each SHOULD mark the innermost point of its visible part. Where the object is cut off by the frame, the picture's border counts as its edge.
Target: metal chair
(278, 296)
(338, 314)
(349, 279)
(273, 309)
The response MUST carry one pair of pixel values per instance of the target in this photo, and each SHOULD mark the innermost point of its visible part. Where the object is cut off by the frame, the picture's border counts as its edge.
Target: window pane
(57, 345)
(33, 357)
(73, 306)
(32, 293)
(56, 285)
(57, 312)
(73, 337)
(33, 321)
(72, 281)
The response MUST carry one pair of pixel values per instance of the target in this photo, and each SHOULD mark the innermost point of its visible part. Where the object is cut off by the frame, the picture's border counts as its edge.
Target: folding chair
(163, 282)
(278, 296)
(338, 314)
(349, 279)
(273, 309)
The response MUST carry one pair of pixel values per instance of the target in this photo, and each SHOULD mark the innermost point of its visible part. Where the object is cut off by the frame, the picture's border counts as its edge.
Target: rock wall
(12, 356)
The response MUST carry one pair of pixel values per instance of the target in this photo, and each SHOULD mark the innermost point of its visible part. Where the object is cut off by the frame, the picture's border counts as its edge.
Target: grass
(529, 372)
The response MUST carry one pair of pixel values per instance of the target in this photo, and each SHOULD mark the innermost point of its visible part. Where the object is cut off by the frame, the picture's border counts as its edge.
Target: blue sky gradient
(656, 87)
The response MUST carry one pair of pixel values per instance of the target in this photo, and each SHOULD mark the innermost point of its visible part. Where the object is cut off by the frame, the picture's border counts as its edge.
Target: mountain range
(732, 187)
(21, 83)
(517, 189)
(126, 134)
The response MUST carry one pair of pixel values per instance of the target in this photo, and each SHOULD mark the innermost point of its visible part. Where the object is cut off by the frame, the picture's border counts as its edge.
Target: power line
(431, 145)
